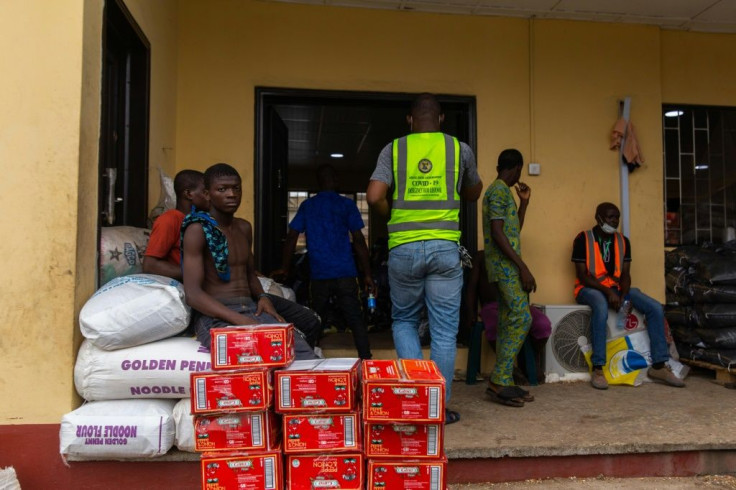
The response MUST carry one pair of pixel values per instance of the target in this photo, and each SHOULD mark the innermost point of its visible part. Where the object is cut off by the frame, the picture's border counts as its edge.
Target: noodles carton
(417, 475)
(334, 471)
(244, 471)
(309, 433)
(401, 391)
(252, 346)
(236, 432)
(320, 385)
(234, 391)
(388, 440)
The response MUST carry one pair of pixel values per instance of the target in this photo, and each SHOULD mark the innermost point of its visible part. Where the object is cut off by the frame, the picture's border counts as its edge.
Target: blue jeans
(652, 310)
(427, 273)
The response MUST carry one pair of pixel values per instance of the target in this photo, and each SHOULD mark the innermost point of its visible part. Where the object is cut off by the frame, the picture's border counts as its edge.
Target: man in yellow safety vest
(428, 173)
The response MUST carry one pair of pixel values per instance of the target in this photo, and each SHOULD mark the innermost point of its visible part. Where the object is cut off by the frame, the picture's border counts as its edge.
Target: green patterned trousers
(514, 321)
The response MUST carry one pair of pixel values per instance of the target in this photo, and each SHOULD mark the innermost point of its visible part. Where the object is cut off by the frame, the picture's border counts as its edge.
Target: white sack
(156, 370)
(121, 251)
(134, 310)
(118, 429)
(8, 479)
(184, 425)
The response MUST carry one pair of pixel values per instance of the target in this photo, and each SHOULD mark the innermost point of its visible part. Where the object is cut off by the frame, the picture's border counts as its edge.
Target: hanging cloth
(631, 152)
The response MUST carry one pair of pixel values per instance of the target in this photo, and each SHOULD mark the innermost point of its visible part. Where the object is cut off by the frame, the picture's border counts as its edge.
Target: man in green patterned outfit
(502, 223)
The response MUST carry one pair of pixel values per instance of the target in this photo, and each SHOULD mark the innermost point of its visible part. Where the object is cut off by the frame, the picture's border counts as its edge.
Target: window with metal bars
(699, 174)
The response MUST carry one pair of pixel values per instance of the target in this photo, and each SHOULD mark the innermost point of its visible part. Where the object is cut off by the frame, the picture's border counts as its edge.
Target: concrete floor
(575, 419)
(571, 429)
(714, 482)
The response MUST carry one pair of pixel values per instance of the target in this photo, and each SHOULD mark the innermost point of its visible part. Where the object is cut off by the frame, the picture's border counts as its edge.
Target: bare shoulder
(242, 222)
(243, 225)
(193, 230)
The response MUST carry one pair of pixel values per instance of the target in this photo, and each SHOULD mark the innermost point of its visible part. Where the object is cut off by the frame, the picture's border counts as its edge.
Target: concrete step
(340, 344)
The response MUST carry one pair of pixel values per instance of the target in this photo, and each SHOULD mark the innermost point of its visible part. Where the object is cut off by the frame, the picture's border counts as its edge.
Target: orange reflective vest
(596, 266)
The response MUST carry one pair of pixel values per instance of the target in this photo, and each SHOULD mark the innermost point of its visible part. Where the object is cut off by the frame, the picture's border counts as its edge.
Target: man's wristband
(262, 295)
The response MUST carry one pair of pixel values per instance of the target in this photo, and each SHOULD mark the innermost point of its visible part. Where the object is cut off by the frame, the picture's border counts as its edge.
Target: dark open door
(124, 124)
(358, 124)
(272, 200)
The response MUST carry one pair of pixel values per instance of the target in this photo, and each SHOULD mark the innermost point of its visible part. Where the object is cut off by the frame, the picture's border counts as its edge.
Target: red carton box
(320, 385)
(239, 391)
(243, 471)
(321, 432)
(403, 440)
(402, 391)
(416, 475)
(252, 431)
(338, 471)
(252, 346)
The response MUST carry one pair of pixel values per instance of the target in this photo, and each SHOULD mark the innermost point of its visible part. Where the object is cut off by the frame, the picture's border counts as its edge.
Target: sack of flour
(121, 251)
(134, 310)
(156, 370)
(118, 429)
(184, 440)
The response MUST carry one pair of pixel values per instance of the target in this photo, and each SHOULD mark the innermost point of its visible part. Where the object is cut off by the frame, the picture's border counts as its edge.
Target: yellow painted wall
(697, 68)
(227, 48)
(49, 146)
(41, 125)
(577, 77)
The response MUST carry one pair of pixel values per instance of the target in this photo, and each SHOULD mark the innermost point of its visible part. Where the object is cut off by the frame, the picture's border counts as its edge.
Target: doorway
(299, 130)
(123, 170)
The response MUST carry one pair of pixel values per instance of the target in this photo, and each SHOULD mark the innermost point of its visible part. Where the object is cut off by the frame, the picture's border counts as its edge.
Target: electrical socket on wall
(535, 169)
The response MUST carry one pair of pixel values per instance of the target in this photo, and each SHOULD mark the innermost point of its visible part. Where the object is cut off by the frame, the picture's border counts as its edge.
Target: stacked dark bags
(701, 301)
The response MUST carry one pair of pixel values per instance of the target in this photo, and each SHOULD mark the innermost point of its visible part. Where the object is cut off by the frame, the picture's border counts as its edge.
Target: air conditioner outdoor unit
(564, 358)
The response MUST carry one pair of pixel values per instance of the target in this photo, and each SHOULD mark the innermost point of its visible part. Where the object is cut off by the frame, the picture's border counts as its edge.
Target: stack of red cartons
(321, 424)
(403, 414)
(235, 426)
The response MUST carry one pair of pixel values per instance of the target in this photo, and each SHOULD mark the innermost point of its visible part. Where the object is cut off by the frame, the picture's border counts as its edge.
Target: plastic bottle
(623, 313)
(371, 303)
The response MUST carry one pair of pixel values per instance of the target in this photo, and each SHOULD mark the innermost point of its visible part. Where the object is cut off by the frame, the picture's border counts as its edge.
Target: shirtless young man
(220, 279)
(163, 254)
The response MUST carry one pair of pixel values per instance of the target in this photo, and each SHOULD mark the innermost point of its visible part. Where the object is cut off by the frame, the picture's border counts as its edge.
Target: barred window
(699, 174)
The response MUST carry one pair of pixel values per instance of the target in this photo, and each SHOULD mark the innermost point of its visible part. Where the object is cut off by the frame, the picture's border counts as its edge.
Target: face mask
(608, 228)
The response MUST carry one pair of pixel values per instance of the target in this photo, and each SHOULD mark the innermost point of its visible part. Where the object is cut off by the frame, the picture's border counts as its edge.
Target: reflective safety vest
(426, 204)
(595, 264)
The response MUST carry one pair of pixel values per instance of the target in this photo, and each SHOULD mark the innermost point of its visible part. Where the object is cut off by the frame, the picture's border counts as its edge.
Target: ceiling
(357, 128)
(688, 15)
(356, 131)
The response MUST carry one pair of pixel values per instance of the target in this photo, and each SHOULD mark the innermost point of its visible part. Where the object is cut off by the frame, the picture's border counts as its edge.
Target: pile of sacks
(701, 301)
(133, 372)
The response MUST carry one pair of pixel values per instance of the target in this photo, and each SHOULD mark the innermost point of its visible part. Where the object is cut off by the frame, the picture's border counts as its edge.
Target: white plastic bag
(167, 199)
(134, 310)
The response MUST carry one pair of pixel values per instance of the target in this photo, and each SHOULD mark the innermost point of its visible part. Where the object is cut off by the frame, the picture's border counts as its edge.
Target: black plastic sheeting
(701, 301)
(719, 357)
(686, 335)
(721, 338)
